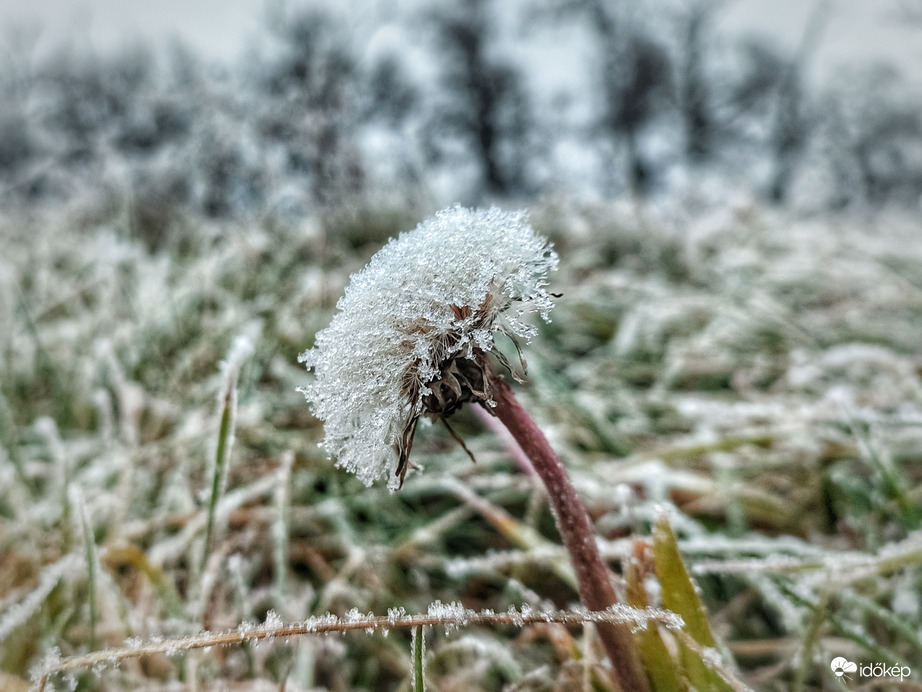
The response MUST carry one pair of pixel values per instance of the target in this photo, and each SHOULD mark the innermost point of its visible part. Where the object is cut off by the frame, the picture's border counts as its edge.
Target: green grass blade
(219, 470)
(230, 368)
(680, 596)
(419, 654)
(660, 666)
(89, 548)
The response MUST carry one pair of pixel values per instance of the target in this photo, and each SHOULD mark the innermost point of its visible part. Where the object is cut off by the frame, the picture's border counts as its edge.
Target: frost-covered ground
(752, 374)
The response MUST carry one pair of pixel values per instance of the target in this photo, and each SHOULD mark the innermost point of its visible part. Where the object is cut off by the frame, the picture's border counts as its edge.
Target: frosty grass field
(753, 376)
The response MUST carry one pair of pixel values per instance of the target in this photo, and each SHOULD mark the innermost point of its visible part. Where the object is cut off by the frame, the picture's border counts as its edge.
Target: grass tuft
(756, 377)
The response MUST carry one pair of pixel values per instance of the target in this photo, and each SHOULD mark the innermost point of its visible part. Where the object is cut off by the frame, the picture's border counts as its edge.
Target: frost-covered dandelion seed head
(413, 329)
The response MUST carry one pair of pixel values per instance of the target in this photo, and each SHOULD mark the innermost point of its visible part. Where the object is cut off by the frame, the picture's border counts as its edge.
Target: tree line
(471, 101)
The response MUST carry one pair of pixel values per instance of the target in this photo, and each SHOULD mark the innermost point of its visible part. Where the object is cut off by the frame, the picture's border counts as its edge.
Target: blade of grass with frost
(281, 526)
(810, 640)
(219, 468)
(664, 676)
(893, 487)
(7, 437)
(89, 546)
(45, 363)
(19, 612)
(900, 626)
(48, 429)
(413, 336)
(680, 595)
(230, 370)
(419, 656)
(842, 625)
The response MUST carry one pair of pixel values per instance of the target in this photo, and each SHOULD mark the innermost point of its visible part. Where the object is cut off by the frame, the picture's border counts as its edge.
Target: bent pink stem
(576, 531)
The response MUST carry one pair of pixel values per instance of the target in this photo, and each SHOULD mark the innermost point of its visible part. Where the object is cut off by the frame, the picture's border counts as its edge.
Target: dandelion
(414, 328)
(413, 336)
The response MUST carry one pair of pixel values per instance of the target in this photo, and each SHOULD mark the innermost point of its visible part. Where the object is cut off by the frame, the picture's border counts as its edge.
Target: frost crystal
(412, 329)
(273, 621)
(453, 614)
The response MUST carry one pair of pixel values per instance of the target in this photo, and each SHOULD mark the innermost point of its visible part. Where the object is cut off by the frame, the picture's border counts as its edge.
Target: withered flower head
(413, 330)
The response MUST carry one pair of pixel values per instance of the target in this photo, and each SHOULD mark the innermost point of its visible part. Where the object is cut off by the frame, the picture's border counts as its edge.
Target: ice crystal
(412, 329)
(355, 615)
(273, 621)
(452, 614)
(394, 614)
(51, 659)
(316, 622)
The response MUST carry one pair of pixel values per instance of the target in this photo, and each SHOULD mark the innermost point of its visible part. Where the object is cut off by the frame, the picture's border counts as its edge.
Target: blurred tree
(790, 132)
(307, 100)
(310, 123)
(694, 83)
(16, 146)
(483, 99)
(634, 77)
(392, 97)
(153, 122)
(885, 137)
(636, 84)
(792, 127)
(231, 176)
(86, 100)
(637, 89)
(766, 103)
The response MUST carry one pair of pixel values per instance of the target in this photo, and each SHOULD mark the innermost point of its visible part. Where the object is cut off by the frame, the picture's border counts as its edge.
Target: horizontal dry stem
(619, 614)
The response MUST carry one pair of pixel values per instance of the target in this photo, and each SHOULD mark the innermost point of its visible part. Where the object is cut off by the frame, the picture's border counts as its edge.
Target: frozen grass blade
(61, 476)
(82, 521)
(680, 596)
(809, 641)
(281, 527)
(892, 485)
(419, 656)
(228, 404)
(219, 467)
(664, 675)
(7, 428)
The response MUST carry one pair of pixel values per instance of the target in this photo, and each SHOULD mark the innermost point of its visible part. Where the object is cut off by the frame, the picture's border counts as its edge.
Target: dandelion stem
(576, 531)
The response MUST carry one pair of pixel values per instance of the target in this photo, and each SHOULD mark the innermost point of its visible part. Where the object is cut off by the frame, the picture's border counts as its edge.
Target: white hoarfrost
(434, 294)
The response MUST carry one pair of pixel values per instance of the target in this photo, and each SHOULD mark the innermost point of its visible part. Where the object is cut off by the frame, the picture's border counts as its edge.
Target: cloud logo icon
(840, 666)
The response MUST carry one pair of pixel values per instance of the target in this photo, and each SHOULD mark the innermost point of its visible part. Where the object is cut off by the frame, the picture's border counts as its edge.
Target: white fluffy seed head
(434, 294)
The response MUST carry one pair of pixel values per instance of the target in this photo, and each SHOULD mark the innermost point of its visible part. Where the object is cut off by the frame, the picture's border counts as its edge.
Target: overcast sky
(221, 29)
